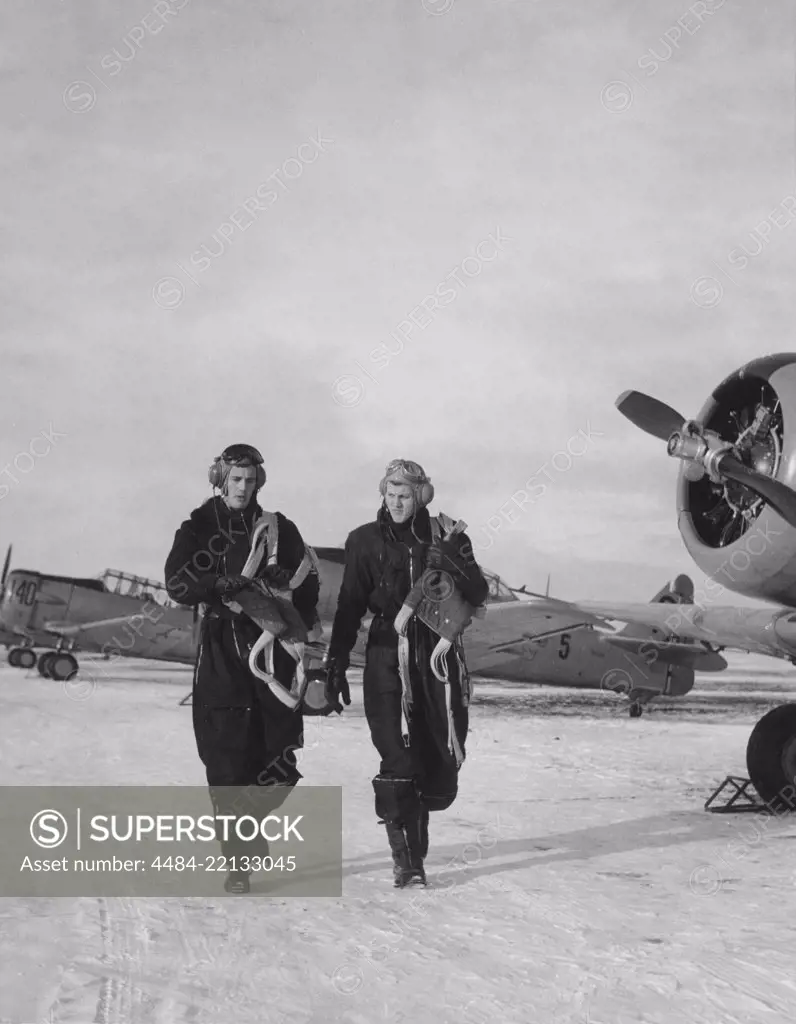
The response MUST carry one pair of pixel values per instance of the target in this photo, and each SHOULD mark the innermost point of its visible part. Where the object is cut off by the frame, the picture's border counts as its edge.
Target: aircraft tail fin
(675, 676)
(680, 590)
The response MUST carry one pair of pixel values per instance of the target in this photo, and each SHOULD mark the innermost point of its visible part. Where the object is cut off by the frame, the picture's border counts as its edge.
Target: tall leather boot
(399, 808)
(424, 832)
(401, 858)
(239, 856)
(416, 829)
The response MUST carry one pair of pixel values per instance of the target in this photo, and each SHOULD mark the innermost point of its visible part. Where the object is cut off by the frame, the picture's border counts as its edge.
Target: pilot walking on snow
(244, 734)
(415, 685)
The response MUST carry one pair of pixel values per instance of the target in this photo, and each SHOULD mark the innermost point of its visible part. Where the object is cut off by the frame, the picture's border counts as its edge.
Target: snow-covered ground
(577, 878)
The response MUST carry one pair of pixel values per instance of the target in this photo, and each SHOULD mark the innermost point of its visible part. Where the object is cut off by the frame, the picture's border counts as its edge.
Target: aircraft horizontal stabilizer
(663, 652)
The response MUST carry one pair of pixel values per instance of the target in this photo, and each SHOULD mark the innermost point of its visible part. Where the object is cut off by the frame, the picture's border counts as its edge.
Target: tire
(62, 667)
(13, 657)
(43, 664)
(635, 710)
(771, 758)
(26, 658)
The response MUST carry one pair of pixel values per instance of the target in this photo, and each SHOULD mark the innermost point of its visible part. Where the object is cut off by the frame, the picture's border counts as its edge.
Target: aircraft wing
(755, 630)
(508, 628)
(131, 636)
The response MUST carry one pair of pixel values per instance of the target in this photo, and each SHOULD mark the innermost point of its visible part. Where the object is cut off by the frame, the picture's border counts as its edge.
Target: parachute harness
(438, 605)
(264, 543)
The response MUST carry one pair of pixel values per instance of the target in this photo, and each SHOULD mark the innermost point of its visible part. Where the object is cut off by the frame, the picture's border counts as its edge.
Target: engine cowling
(731, 533)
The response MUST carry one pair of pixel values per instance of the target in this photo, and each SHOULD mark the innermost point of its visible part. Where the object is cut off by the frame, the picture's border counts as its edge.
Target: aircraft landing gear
(21, 657)
(26, 657)
(58, 665)
(637, 699)
(43, 664)
(63, 667)
(771, 758)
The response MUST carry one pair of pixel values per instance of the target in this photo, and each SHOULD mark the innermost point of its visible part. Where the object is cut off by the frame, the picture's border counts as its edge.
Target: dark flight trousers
(427, 759)
(244, 735)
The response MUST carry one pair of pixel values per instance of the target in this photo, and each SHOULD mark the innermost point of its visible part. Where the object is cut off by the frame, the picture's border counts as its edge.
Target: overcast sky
(216, 215)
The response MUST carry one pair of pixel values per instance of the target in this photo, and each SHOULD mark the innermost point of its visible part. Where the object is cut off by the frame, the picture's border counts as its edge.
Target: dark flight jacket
(381, 564)
(382, 561)
(215, 542)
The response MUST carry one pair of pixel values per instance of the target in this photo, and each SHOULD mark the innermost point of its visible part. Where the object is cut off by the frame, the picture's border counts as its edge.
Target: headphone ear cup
(425, 494)
(260, 477)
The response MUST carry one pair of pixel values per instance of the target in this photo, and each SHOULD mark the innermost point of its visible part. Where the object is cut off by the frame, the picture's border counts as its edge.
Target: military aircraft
(636, 661)
(117, 613)
(736, 512)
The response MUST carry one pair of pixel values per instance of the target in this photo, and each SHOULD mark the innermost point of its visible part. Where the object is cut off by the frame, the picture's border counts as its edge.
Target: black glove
(275, 576)
(444, 555)
(228, 586)
(336, 685)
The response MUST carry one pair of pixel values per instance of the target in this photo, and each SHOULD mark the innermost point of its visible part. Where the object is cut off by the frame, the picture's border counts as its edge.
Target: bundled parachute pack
(273, 611)
(436, 602)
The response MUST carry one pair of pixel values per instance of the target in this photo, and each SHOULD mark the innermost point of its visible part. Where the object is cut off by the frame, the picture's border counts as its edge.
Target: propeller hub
(682, 446)
(699, 452)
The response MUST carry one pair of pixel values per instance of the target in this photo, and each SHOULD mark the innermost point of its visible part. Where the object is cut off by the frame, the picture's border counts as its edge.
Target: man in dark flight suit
(244, 734)
(417, 724)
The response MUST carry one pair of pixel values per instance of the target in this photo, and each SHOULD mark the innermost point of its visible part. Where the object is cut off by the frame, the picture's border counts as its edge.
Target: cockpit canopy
(127, 585)
(499, 591)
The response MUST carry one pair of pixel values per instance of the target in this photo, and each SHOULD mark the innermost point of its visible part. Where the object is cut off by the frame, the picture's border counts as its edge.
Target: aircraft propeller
(649, 414)
(6, 566)
(703, 451)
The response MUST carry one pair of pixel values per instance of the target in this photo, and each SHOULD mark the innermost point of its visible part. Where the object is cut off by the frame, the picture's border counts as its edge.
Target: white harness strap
(439, 656)
(265, 541)
(406, 686)
(306, 566)
(439, 666)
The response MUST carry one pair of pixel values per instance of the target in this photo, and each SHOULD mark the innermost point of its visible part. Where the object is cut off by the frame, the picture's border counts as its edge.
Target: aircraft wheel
(13, 657)
(771, 758)
(26, 658)
(43, 664)
(63, 667)
(635, 710)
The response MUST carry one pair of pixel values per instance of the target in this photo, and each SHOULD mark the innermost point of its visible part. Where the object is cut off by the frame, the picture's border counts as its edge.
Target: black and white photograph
(398, 512)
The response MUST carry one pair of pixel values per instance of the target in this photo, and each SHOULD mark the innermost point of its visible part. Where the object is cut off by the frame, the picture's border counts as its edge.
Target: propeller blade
(780, 497)
(6, 566)
(649, 414)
